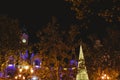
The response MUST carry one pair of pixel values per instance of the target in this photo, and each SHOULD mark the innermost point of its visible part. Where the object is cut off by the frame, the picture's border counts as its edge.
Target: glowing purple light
(37, 63)
(1, 74)
(10, 65)
(37, 66)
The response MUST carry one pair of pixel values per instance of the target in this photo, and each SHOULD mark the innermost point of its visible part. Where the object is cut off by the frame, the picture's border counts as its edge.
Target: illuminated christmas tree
(82, 71)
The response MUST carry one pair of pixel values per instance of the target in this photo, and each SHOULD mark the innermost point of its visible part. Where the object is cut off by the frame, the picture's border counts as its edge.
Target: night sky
(35, 14)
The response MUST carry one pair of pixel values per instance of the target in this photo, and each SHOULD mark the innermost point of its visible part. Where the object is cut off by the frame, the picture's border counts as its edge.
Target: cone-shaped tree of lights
(82, 71)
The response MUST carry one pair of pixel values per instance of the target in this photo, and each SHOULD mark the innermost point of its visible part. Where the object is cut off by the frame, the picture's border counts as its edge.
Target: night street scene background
(60, 40)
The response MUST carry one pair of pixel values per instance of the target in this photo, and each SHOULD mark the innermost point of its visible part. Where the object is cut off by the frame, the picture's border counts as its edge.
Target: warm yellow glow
(31, 70)
(23, 77)
(64, 68)
(24, 40)
(105, 77)
(19, 75)
(16, 77)
(26, 67)
(108, 77)
(20, 70)
(102, 77)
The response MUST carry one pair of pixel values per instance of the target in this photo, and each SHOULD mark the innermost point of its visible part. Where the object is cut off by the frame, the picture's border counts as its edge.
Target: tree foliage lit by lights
(56, 46)
(106, 9)
(9, 33)
(9, 37)
(64, 43)
(100, 14)
(104, 54)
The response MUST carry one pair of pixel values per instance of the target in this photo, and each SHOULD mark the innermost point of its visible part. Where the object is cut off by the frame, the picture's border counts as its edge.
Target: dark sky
(35, 14)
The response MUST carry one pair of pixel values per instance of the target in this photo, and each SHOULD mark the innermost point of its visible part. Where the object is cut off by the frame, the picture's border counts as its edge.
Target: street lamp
(24, 40)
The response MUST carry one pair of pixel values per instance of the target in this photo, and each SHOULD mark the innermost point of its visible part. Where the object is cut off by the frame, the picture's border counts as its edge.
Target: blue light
(73, 62)
(37, 63)
(10, 67)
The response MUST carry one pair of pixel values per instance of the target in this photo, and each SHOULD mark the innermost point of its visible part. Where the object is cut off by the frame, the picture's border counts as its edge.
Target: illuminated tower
(82, 71)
